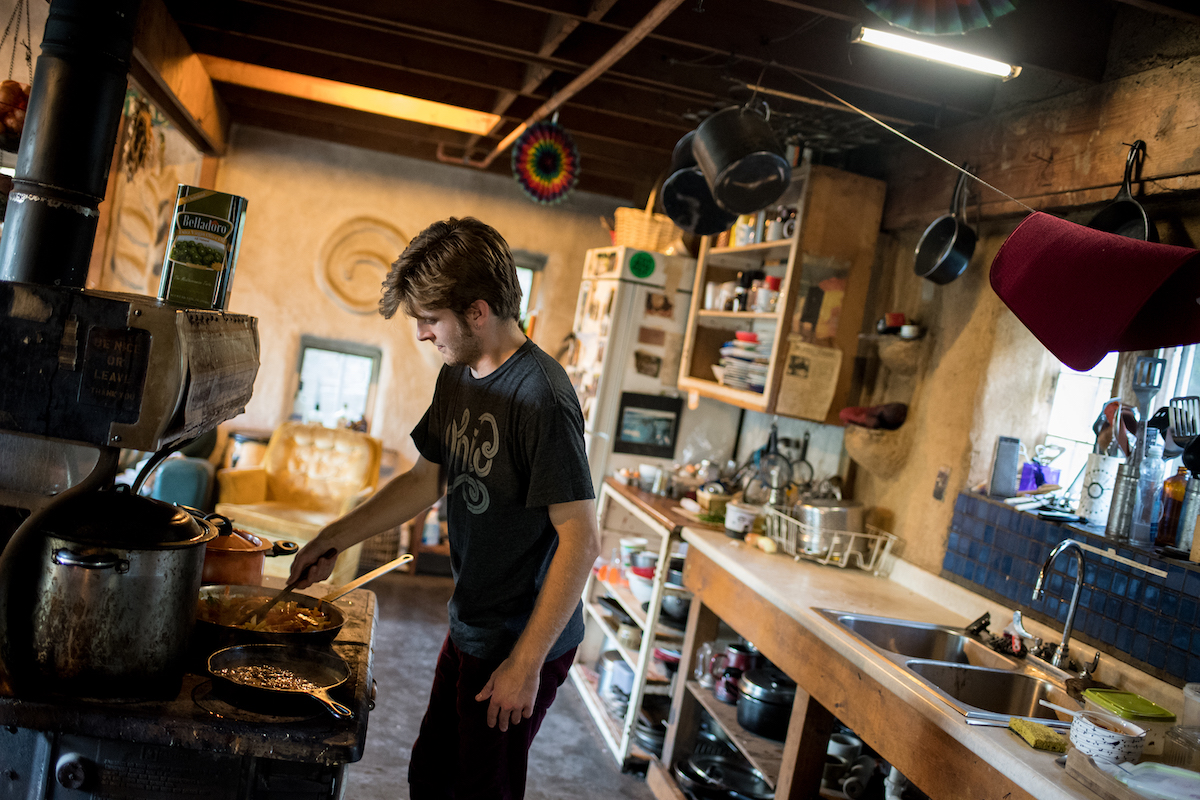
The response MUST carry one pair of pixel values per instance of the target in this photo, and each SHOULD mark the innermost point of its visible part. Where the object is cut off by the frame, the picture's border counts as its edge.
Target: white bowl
(641, 587)
(1107, 736)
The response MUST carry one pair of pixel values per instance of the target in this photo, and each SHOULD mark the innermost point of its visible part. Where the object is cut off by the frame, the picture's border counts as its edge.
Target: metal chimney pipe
(66, 148)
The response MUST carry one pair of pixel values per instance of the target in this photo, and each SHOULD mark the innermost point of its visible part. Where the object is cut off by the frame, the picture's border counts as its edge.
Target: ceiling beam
(1180, 9)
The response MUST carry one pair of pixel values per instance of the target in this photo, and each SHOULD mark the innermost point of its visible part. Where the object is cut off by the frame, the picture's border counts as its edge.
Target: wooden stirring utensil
(261, 611)
(370, 576)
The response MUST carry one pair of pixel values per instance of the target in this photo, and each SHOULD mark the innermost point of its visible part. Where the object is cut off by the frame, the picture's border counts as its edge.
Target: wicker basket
(643, 229)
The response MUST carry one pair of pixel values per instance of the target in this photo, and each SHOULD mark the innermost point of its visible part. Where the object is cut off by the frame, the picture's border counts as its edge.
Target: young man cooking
(503, 441)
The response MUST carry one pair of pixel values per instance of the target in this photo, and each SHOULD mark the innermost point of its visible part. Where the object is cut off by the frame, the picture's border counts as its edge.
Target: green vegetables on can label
(202, 248)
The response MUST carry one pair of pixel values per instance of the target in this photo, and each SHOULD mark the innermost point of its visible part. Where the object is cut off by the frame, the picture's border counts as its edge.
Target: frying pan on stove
(1124, 216)
(218, 635)
(279, 678)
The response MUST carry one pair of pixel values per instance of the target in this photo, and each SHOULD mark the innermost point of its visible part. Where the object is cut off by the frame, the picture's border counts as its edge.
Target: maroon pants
(456, 755)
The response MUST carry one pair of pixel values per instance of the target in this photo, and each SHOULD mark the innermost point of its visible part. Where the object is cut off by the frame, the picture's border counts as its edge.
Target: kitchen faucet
(1060, 655)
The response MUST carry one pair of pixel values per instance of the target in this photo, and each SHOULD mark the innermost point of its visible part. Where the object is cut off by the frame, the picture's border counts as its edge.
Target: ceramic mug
(1107, 737)
(1099, 477)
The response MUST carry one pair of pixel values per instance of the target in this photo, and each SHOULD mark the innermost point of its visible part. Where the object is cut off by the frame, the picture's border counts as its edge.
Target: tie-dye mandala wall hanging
(545, 162)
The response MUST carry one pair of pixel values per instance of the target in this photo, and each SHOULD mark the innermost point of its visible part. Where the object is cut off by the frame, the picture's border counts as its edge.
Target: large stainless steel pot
(822, 519)
(115, 591)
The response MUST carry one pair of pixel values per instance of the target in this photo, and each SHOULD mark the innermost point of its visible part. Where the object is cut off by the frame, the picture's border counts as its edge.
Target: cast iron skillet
(322, 669)
(1124, 216)
(948, 243)
(216, 635)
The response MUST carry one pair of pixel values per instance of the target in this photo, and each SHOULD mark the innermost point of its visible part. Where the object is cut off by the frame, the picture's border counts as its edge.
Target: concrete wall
(301, 190)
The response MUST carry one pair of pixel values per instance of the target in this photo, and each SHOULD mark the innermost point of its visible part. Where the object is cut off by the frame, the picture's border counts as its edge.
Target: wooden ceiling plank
(1180, 9)
(1070, 146)
(169, 72)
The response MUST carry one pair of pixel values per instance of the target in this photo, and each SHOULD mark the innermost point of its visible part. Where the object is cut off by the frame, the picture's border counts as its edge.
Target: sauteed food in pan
(288, 616)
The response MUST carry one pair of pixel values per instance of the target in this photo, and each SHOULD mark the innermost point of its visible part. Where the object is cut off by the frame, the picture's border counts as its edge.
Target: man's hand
(512, 690)
(315, 554)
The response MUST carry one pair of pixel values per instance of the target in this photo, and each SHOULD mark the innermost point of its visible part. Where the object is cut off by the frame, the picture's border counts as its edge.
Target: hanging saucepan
(948, 243)
(742, 161)
(686, 198)
(1124, 216)
(279, 679)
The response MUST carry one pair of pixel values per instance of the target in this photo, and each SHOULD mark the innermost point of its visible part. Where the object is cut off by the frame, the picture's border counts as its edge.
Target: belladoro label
(202, 249)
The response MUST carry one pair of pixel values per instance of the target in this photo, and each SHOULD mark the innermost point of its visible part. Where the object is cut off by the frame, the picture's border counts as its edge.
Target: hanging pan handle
(958, 202)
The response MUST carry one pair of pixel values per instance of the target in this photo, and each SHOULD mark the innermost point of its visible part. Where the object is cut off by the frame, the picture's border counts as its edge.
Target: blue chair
(185, 481)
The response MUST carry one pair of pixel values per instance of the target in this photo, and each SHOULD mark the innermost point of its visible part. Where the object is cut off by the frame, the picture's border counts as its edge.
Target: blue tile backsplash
(1137, 617)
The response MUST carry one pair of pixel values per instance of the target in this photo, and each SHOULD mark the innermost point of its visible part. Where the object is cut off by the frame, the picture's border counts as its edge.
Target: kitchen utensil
(1147, 380)
(1185, 536)
(948, 243)
(765, 704)
(1124, 216)
(742, 161)
(821, 519)
(1184, 416)
(276, 675)
(236, 556)
(1134, 709)
(114, 597)
(732, 775)
(215, 635)
(689, 203)
(261, 611)
(362, 580)
(1069, 712)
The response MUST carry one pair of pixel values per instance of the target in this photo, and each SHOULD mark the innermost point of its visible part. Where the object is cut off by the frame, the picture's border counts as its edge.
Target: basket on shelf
(379, 549)
(865, 550)
(643, 229)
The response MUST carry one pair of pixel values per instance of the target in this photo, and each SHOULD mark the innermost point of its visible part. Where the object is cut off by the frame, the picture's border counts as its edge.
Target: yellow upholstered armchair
(310, 476)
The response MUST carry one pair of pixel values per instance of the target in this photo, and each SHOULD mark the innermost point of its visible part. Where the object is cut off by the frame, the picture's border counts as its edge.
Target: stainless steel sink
(921, 640)
(1000, 692)
(961, 670)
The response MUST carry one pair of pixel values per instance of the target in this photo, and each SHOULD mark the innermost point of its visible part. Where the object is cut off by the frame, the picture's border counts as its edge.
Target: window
(529, 274)
(1079, 398)
(336, 383)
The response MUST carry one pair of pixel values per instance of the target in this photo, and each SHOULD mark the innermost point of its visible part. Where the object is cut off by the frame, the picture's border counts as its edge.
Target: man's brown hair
(450, 265)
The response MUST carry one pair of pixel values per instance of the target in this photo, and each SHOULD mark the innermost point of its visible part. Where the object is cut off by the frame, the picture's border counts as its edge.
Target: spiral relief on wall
(355, 259)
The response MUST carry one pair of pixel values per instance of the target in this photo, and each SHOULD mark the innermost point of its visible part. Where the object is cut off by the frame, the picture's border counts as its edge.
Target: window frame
(372, 352)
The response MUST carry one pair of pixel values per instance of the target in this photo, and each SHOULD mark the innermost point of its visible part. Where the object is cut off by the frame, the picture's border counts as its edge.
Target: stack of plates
(744, 361)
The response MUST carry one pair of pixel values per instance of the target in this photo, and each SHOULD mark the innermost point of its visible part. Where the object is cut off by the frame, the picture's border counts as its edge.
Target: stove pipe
(67, 145)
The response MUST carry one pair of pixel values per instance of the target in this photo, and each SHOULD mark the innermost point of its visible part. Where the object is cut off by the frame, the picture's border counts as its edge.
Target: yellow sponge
(1038, 735)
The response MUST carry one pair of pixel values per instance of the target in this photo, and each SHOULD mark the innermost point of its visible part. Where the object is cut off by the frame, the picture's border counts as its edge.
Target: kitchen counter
(926, 739)
(197, 719)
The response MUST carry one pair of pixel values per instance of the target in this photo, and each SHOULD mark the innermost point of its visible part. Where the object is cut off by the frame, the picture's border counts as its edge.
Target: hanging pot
(115, 588)
(948, 243)
(742, 161)
(686, 198)
(1124, 216)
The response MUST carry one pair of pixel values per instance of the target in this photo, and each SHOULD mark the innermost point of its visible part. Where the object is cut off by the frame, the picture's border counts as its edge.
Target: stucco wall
(301, 190)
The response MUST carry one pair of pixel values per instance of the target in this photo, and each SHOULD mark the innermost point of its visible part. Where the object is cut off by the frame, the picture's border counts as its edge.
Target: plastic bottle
(1174, 488)
(1147, 505)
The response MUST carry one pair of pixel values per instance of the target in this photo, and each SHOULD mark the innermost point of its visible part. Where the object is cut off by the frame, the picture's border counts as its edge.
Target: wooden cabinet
(627, 512)
(824, 270)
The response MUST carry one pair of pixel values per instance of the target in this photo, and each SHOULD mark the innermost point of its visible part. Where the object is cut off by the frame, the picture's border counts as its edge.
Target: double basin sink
(961, 670)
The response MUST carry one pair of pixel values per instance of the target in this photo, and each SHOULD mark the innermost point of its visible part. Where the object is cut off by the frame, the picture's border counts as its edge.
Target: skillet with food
(300, 619)
(277, 678)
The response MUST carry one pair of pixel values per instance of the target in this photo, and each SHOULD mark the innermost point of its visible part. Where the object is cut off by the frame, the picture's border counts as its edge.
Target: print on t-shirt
(472, 459)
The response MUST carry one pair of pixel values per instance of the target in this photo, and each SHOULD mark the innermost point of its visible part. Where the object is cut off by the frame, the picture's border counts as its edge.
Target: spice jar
(1174, 488)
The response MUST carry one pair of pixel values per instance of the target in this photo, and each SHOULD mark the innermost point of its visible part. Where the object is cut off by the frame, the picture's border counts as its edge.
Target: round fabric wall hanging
(941, 16)
(545, 162)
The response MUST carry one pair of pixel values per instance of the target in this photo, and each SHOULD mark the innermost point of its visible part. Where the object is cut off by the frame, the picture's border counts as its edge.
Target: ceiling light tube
(933, 52)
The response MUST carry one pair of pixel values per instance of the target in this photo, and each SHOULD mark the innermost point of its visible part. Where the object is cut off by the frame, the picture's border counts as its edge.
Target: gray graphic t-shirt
(511, 444)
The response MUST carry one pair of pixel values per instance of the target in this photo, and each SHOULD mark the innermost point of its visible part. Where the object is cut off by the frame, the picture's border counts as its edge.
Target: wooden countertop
(947, 749)
(663, 511)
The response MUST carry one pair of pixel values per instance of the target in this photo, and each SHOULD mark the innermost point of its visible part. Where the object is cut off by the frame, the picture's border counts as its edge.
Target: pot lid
(768, 684)
(728, 773)
(123, 519)
(239, 542)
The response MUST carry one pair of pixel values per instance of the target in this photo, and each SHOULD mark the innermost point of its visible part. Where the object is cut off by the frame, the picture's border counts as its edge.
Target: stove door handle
(65, 558)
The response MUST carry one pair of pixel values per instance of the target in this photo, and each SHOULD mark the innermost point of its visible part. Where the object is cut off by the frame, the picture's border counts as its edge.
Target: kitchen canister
(740, 518)
(1099, 476)
(1133, 708)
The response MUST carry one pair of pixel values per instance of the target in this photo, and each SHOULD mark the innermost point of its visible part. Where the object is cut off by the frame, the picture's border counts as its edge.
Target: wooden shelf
(824, 271)
(764, 754)
(587, 682)
(633, 608)
(654, 674)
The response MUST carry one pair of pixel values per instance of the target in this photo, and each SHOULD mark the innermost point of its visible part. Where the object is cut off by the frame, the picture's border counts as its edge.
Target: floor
(568, 751)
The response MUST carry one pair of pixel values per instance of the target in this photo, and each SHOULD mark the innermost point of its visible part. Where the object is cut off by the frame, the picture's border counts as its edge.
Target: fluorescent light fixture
(933, 52)
(347, 95)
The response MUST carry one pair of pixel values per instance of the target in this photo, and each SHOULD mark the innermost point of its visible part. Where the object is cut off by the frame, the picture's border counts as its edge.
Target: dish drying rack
(865, 550)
